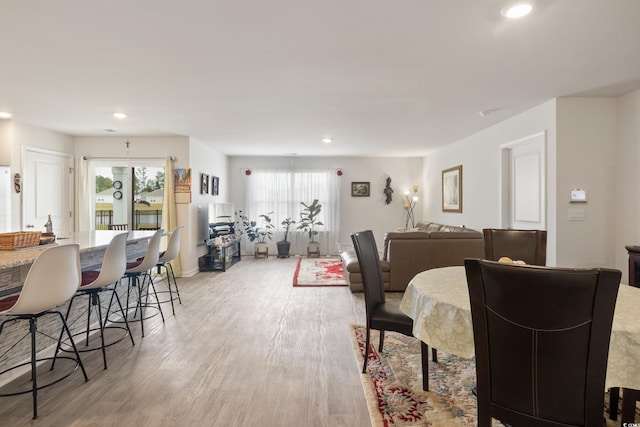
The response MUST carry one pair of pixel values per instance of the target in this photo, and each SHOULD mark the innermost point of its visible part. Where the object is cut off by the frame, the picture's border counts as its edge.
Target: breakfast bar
(15, 264)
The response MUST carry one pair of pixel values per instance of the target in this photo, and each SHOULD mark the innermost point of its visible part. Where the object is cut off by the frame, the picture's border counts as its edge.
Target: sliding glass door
(127, 193)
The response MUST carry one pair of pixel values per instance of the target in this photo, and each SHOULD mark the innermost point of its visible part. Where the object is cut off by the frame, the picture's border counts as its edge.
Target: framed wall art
(215, 184)
(204, 183)
(452, 189)
(360, 189)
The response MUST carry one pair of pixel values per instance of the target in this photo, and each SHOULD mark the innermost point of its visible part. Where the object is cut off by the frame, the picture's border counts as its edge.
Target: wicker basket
(19, 239)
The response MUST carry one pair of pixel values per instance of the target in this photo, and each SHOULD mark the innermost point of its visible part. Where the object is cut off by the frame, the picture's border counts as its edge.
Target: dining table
(438, 302)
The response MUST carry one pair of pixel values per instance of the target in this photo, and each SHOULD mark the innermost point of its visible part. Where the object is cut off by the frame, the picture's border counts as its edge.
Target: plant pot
(283, 249)
(313, 248)
(262, 249)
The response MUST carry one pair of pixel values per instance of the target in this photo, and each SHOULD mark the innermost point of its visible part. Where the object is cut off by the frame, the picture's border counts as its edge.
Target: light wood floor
(245, 348)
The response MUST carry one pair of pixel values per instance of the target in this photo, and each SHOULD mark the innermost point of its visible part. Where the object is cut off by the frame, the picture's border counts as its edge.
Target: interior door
(47, 190)
(526, 183)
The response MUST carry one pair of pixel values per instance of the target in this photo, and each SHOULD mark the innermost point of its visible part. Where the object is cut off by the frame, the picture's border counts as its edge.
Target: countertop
(88, 241)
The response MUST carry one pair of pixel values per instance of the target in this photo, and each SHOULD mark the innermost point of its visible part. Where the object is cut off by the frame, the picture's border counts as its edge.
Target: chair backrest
(52, 280)
(152, 254)
(529, 246)
(118, 227)
(541, 342)
(114, 262)
(173, 247)
(372, 282)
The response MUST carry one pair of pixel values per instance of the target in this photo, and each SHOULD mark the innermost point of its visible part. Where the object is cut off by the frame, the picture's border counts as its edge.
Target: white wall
(203, 159)
(586, 153)
(356, 213)
(627, 196)
(5, 142)
(480, 156)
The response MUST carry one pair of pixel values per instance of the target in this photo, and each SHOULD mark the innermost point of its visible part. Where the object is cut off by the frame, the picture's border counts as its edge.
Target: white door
(47, 190)
(525, 183)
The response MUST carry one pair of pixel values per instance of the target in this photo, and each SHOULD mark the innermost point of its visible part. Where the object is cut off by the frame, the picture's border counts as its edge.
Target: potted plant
(284, 245)
(309, 222)
(259, 233)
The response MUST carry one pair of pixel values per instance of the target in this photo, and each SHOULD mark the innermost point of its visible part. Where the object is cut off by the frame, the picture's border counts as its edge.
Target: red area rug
(319, 272)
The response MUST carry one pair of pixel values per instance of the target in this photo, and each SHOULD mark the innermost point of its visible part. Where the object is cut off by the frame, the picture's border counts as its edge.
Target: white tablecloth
(438, 302)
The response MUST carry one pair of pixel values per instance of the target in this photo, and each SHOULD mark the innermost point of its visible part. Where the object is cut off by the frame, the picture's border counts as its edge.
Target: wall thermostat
(578, 195)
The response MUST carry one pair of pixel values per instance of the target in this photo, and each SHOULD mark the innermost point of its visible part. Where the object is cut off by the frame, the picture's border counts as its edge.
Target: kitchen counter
(89, 241)
(15, 264)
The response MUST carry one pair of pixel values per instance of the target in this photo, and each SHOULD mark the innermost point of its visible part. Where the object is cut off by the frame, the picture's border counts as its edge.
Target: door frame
(507, 190)
(70, 182)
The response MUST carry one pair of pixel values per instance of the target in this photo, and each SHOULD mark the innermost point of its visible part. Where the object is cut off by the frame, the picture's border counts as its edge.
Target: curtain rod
(128, 158)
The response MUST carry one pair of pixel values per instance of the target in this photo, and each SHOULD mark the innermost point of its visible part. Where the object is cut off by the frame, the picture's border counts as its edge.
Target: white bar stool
(94, 283)
(173, 248)
(51, 281)
(142, 267)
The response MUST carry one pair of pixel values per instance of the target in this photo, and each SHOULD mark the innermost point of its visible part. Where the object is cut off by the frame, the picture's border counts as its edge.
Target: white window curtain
(281, 190)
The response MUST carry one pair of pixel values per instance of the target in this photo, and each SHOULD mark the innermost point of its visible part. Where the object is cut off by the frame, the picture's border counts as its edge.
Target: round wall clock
(117, 195)
(117, 185)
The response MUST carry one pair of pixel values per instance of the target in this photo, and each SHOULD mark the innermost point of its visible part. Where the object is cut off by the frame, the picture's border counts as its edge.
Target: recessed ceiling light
(4, 115)
(516, 11)
(120, 115)
(327, 140)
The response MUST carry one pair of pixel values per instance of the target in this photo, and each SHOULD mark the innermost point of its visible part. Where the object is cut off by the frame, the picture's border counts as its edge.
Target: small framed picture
(204, 183)
(452, 189)
(215, 183)
(360, 189)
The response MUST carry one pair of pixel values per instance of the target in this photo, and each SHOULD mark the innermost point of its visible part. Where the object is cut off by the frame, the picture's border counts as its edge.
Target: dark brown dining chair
(630, 396)
(541, 338)
(119, 227)
(383, 315)
(529, 246)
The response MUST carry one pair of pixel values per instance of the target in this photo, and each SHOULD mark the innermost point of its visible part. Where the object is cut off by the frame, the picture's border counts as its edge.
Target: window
(281, 191)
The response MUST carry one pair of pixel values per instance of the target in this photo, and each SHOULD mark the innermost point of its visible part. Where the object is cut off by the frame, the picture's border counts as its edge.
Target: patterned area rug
(393, 385)
(319, 272)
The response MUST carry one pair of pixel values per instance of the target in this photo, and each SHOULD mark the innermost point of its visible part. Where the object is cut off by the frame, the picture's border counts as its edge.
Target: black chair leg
(614, 402)
(34, 382)
(95, 299)
(629, 398)
(59, 347)
(366, 351)
(126, 323)
(381, 341)
(73, 344)
(434, 355)
(424, 352)
(175, 283)
(156, 295)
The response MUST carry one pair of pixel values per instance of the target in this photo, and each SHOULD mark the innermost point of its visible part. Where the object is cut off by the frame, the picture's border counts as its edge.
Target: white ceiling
(386, 78)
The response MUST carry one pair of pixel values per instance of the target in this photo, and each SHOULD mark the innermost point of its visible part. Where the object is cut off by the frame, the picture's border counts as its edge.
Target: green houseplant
(308, 223)
(284, 245)
(259, 232)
